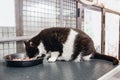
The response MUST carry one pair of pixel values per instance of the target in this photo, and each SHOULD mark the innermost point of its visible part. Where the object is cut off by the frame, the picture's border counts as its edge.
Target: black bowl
(26, 63)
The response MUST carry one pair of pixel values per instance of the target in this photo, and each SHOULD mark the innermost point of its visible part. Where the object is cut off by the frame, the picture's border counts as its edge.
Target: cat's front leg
(54, 56)
(47, 56)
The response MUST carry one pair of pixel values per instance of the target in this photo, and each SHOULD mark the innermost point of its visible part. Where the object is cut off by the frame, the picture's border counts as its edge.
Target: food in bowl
(21, 57)
(24, 59)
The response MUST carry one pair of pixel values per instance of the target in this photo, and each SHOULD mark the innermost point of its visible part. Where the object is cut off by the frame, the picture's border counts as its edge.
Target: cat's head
(31, 49)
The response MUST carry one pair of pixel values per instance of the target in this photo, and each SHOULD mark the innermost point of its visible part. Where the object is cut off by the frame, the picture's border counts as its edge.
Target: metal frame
(19, 17)
(61, 14)
(103, 32)
(103, 10)
(21, 38)
(113, 12)
(119, 38)
(19, 21)
(79, 16)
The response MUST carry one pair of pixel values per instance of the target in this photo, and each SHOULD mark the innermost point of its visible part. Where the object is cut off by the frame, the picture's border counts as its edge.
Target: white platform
(112, 75)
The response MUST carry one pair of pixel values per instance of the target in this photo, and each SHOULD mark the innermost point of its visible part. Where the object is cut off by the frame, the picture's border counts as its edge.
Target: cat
(66, 44)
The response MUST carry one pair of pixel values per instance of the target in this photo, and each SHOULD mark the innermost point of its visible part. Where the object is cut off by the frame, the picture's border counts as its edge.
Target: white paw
(60, 58)
(51, 59)
(54, 56)
(76, 60)
(87, 58)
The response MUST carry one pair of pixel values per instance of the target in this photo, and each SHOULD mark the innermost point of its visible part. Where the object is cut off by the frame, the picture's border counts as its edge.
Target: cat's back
(62, 32)
(55, 33)
(81, 34)
(55, 30)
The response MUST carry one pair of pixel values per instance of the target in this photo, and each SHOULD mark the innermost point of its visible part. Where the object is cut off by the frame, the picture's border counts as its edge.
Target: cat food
(24, 59)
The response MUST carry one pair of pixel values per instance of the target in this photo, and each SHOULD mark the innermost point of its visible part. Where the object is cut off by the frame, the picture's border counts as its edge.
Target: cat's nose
(43, 55)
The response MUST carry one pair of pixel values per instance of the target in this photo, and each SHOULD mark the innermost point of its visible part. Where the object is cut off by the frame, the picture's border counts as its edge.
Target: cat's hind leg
(87, 58)
(54, 56)
(83, 58)
(78, 58)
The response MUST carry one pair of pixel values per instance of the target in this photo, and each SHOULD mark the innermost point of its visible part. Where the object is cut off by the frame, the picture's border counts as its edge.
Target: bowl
(20, 62)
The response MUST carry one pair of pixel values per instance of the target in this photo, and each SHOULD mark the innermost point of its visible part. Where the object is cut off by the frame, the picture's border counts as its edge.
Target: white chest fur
(41, 49)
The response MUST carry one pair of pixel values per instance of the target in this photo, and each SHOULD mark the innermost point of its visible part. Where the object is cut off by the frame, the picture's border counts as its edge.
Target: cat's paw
(76, 60)
(60, 58)
(51, 59)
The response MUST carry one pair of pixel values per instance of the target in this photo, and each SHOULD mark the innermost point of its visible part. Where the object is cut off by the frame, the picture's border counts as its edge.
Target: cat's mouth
(35, 56)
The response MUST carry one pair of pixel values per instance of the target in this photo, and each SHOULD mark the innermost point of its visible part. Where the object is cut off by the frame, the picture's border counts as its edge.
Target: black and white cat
(66, 44)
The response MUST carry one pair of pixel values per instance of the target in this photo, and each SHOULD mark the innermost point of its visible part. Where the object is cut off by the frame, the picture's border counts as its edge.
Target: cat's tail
(105, 57)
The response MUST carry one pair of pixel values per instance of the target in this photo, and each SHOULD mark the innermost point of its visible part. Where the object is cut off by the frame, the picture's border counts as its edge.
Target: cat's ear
(29, 43)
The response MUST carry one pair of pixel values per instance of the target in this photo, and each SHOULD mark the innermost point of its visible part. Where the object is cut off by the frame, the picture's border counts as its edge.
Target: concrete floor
(88, 70)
